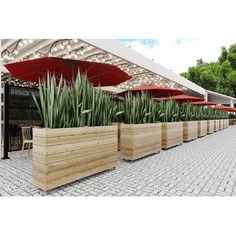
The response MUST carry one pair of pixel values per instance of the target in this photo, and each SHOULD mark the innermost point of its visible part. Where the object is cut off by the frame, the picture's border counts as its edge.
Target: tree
(223, 55)
(232, 81)
(219, 76)
(200, 62)
(232, 56)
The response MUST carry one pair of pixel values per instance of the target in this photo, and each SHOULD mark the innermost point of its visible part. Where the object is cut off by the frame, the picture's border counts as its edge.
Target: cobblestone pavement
(203, 167)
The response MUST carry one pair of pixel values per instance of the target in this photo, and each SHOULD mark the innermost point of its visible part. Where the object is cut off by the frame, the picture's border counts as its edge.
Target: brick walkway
(204, 167)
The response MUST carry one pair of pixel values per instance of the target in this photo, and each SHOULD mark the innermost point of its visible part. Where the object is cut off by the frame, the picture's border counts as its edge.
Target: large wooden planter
(224, 123)
(189, 130)
(217, 125)
(61, 156)
(221, 124)
(210, 126)
(172, 134)
(202, 128)
(227, 123)
(139, 140)
(232, 121)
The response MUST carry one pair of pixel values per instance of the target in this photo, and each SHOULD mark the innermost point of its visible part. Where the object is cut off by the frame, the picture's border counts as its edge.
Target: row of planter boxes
(139, 140)
(61, 156)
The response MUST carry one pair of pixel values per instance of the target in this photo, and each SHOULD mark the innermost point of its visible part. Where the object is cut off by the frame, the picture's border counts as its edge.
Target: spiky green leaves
(63, 106)
(140, 109)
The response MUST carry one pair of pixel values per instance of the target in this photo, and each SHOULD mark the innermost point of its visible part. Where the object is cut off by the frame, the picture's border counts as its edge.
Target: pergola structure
(143, 71)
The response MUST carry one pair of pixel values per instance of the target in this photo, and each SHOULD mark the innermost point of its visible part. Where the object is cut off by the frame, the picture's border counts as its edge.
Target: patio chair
(26, 139)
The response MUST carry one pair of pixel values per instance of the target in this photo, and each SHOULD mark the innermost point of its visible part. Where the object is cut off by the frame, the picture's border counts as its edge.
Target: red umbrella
(225, 108)
(154, 90)
(203, 103)
(99, 74)
(184, 98)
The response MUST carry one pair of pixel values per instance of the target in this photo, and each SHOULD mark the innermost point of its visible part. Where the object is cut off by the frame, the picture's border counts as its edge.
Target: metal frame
(6, 122)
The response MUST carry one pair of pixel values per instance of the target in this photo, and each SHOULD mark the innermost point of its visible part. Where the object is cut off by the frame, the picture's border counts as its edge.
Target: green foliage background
(219, 76)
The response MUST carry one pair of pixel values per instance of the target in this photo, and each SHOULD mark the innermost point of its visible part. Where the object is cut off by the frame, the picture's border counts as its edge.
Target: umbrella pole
(6, 122)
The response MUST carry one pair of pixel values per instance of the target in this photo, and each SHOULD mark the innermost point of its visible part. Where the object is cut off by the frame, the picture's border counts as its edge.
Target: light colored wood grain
(139, 140)
(224, 123)
(172, 134)
(221, 124)
(217, 125)
(189, 130)
(202, 128)
(232, 122)
(57, 160)
(210, 126)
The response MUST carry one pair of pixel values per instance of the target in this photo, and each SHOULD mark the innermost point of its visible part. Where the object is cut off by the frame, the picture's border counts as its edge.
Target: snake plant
(77, 105)
(140, 109)
(170, 111)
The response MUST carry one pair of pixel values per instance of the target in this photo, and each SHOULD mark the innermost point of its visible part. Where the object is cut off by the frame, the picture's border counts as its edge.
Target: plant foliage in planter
(170, 111)
(140, 109)
(77, 105)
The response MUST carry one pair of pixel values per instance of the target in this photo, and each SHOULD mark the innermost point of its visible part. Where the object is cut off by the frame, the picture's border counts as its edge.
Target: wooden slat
(80, 153)
(66, 148)
(52, 141)
(71, 178)
(47, 132)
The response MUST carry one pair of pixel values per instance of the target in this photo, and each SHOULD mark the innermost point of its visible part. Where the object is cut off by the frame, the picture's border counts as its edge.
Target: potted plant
(172, 126)
(189, 122)
(140, 134)
(210, 120)
(202, 122)
(77, 138)
(217, 122)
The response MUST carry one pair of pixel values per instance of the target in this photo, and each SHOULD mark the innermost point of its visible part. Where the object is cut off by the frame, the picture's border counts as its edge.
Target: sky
(178, 54)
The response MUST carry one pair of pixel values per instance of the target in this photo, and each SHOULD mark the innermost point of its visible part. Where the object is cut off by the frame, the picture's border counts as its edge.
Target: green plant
(188, 112)
(77, 105)
(139, 109)
(170, 111)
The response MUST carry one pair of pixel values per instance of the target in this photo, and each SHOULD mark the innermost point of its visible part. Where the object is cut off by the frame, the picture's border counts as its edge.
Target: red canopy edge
(224, 108)
(184, 98)
(99, 74)
(204, 103)
(155, 90)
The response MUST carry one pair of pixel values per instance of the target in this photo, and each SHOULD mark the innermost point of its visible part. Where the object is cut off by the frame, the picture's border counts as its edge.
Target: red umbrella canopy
(99, 74)
(203, 103)
(225, 108)
(184, 98)
(154, 90)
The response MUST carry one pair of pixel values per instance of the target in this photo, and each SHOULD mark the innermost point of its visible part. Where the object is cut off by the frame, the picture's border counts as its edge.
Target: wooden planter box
(224, 123)
(189, 130)
(139, 140)
(221, 124)
(232, 121)
(202, 128)
(217, 125)
(210, 126)
(64, 155)
(227, 123)
(172, 134)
